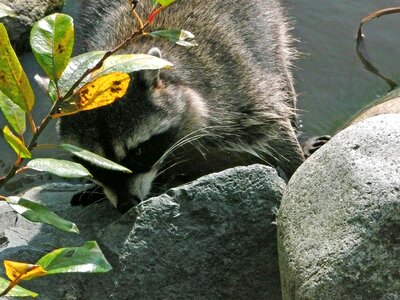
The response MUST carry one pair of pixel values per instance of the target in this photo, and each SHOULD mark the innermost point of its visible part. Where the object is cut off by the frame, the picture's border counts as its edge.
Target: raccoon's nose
(127, 204)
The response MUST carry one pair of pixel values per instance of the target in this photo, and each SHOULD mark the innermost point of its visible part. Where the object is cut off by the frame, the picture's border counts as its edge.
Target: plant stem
(32, 122)
(11, 286)
(38, 130)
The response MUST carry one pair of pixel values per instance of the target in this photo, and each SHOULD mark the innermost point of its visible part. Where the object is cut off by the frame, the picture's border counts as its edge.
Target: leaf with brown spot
(17, 271)
(52, 42)
(102, 91)
(13, 81)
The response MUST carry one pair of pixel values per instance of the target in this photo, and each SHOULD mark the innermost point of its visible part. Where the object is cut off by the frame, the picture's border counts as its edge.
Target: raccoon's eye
(146, 154)
(138, 151)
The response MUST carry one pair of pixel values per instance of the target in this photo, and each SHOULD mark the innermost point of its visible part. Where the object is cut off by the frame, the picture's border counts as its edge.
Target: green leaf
(179, 37)
(16, 291)
(16, 143)
(13, 80)
(94, 159)
(76, 67)
(129, 63)
(13, 113)
(62, 168)
(85, 259)
(116, 63)
(166, 2)
(6, 11)
(36, 212)
(52, 42)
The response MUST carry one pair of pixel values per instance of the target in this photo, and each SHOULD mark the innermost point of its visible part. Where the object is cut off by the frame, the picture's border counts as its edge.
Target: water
(331, 81)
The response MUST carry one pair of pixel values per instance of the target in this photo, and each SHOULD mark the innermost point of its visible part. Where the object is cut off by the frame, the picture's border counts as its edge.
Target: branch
(32, 144)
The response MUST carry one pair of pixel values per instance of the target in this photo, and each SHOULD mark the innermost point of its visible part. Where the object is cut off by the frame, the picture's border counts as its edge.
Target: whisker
(170, 167)
(98, 201)
(191, 137)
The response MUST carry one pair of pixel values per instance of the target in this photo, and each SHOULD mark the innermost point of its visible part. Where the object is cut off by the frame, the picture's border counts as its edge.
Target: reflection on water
(331, 81)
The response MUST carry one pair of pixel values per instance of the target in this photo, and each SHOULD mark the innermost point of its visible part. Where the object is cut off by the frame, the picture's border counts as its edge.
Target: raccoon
(229, 101)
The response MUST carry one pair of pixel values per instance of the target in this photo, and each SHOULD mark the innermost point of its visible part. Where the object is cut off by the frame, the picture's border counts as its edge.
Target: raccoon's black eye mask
(142, 158)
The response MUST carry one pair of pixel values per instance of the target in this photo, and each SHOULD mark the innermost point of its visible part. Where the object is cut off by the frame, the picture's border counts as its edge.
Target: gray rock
(339, 220)
(210, 239)
(26, 14)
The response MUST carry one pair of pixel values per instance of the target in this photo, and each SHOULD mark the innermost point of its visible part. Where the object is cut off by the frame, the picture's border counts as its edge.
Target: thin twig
(70, 92)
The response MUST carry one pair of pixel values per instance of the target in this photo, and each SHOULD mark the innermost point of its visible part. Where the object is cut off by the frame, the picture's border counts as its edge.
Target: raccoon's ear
(151, 76)
(155, 52)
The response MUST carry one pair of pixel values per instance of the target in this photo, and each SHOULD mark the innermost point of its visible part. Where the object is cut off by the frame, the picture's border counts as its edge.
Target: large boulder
(214, 238)
(339, 220)
(26, 13)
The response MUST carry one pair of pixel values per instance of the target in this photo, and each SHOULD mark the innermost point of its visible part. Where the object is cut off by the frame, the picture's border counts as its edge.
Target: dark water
(331, 81)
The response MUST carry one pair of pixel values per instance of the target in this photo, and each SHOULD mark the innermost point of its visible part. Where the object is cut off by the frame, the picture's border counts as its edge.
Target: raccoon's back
(243, 46)
(239, 77)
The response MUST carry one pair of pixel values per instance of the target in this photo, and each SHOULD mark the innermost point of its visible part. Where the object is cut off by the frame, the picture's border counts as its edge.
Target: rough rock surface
(214, 238)
(26, 14)
(339, 220)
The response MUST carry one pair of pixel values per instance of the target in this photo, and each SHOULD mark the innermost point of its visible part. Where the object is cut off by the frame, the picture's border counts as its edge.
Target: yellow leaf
(16, 143)
(102, 91)
(17, 271)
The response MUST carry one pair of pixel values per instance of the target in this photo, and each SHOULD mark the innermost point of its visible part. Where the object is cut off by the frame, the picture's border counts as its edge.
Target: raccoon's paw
(313, 144)
(124, 206)
(88, 197)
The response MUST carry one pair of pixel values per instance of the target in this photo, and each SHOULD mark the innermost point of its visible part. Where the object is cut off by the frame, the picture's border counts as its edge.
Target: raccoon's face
(145, 160)
(141, 132)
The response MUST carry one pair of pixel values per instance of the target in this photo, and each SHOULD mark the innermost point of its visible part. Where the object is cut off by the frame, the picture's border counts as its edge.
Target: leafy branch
(74, 84)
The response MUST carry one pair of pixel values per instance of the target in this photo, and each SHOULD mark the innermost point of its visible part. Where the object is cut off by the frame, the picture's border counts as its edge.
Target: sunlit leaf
(16, 143)
(129, 63)
(166, 2)
(62, 168)
(6, 11)
(13, 113)
(180, 37)
(13, 80)
(17, 291)
(76, 67)
(52, 42)
(22, 271)
(102, 91)
(94, 159)
(85, 259)
(36, 212)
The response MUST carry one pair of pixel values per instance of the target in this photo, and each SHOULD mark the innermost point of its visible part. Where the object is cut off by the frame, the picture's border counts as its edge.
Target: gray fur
(231, 95)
